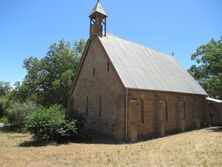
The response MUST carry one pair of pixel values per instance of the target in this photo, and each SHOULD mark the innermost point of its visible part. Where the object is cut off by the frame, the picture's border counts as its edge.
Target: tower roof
(98, 9)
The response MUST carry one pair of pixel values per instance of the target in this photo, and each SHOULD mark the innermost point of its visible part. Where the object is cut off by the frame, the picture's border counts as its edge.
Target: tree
(208, 70)
(5, 88)
(48, 79)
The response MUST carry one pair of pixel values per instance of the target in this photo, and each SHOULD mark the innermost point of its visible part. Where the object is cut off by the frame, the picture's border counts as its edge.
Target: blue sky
(28, 27)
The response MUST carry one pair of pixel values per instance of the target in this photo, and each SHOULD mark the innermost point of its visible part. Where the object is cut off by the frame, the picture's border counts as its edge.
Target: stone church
(130, 92)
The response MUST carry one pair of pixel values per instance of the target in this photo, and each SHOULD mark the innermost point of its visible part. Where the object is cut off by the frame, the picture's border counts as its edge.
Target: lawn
(196, 148)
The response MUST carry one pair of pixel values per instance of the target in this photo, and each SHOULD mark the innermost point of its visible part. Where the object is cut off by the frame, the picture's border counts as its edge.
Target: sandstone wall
(99, 86)
(165, 113)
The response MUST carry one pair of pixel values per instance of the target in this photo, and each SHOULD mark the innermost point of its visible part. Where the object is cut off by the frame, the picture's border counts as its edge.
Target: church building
(130, 92)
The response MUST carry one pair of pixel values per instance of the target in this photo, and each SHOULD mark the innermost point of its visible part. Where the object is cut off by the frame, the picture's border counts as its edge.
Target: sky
(28, 27)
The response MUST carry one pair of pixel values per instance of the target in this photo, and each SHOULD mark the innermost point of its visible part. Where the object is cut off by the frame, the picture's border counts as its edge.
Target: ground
(196, 148)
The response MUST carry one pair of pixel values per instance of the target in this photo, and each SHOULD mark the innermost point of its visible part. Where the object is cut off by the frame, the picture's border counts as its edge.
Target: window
(166, 111)
(108, 66)
(87, 105)
(94, 72)
(100, 106)
(142, 111)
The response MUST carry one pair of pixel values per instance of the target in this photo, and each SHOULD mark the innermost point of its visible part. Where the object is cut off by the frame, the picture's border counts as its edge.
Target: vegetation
(208, 70)
(48, 80)
(32, 105)
(51, 124)
(2, 106)
(5, 88)
(18, 112)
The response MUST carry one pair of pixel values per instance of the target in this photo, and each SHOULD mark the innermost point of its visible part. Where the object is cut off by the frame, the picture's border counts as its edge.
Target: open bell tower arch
(98, 21)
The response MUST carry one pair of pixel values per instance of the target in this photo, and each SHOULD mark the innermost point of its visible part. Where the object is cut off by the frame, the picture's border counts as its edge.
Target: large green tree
(208, 67)
(48, 79)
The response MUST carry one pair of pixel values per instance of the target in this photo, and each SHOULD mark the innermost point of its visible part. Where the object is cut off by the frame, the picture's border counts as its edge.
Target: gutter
(126, 116)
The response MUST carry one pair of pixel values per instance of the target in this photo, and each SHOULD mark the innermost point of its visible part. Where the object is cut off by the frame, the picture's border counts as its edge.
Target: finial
(172, 53)
(97, 1)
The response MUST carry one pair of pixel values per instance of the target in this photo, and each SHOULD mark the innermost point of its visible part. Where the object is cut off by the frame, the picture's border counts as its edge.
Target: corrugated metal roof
(144, 68)
(98, 8)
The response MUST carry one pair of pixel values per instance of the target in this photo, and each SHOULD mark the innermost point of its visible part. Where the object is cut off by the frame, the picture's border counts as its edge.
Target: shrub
(67, 129)
(50, 123)
(71, 115)
(17, 113)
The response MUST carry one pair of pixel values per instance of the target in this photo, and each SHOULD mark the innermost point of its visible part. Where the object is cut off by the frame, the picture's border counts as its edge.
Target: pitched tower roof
(98, 9)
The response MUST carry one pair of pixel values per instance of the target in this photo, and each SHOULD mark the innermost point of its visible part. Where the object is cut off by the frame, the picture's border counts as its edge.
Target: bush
(17, 113)
(71, 115)
(50, 123)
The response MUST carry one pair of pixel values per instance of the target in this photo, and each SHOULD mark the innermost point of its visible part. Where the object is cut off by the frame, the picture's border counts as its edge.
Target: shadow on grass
(76, 140)
(37, 143)
(40, 143)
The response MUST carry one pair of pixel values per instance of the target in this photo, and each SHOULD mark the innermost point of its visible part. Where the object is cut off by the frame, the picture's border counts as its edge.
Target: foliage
(50, 123)
(49, 79)
(67, 129)
(208, 70)
(2, 106)
(4, 120)
(71, 115)
(5, 88)
(17, 112)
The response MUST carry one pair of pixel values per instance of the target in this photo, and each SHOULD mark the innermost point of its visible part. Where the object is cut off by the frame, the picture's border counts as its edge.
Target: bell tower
(98, 21)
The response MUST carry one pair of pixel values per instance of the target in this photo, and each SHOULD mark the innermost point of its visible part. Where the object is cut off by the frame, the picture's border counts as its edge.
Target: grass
(196, 148)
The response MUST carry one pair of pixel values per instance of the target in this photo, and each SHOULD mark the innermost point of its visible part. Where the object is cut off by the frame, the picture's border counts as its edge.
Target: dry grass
(196, 148)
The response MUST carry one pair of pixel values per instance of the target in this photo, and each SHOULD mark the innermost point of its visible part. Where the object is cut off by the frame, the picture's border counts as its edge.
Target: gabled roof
(98, 8)
(143, 68)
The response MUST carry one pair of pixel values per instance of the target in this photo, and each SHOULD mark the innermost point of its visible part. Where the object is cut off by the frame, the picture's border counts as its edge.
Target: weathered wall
(102, 87)
(164, 113)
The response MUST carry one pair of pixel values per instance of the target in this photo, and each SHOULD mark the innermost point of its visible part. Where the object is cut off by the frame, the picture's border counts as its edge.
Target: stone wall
(99, 86)
(101, 97)
(164, 113)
